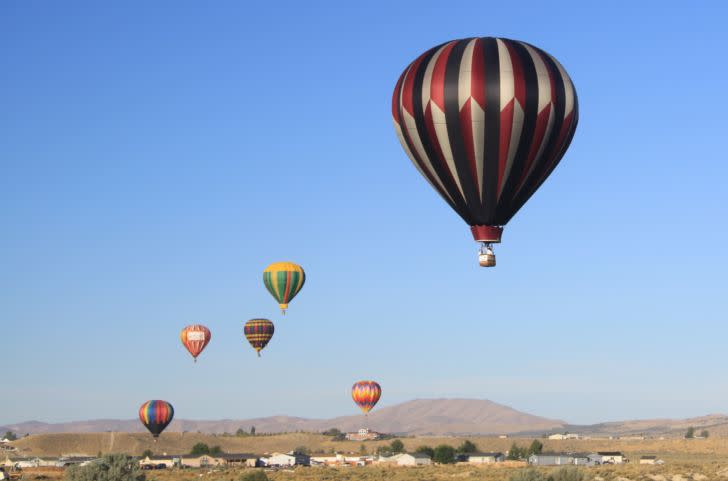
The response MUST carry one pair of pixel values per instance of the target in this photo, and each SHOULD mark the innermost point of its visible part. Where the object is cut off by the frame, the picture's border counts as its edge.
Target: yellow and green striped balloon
(284, 280)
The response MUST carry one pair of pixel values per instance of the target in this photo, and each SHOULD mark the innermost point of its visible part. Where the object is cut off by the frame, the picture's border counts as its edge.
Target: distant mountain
(422, 416)
(418, 417)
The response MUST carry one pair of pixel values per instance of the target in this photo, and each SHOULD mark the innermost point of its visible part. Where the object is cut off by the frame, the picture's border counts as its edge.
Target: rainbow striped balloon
(366, 394)
(156, 415)
(258, 332)
(284, 280)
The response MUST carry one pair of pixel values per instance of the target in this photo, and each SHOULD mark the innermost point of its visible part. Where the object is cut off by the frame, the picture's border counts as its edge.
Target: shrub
(528, 474)
(256, 475)
(397, 446)
(112, 467)
(568, 473)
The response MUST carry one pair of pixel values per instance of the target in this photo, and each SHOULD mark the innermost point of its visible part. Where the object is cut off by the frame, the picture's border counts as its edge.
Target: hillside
(422, 416)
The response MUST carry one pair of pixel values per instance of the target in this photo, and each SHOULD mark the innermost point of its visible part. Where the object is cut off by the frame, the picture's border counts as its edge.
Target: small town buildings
(550, 459)
(610, 457)
(363, 435)
(289, 459)
(648, 459)
(564, 436)
(202, 461)
(158, 461)
(240, 459)
(67, 461)
(482, 458)
(414, 459)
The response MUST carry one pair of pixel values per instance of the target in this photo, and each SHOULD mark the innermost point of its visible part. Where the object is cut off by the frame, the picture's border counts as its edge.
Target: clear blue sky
(156, 156)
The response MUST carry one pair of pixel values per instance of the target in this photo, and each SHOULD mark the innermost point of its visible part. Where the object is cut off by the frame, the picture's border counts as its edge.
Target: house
(648, 460)
(609, 457)
(289, 459)
(65, 461)
(240, 459)
(414, 459)
(388, 459)
(363, 435)
(564, 436)
(157, 461)
(202, 461)
(550, 459)
(482, 458)
(582, 459)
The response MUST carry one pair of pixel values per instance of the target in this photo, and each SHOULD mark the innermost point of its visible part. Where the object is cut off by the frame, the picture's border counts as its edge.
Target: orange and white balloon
(195, 338)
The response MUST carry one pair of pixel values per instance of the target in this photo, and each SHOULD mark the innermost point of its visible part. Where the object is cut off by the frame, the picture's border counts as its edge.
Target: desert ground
(685, 460)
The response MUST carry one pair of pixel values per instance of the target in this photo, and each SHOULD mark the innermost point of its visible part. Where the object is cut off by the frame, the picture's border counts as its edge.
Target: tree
(256, 475)
(704, 433)
(397, 446)
(241, 432)
(516, 452)
(536, 447)
(444, 454)
(302, 450)
(199, 449)
(691, 433)
(252, 430)
(10, 436)
(331, 432)
(112, 467)
(426, 450)
(467, 447)
(529, 474)
(215, 450)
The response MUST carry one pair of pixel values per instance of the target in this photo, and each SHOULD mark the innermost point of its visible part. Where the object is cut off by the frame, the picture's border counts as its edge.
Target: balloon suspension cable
(195, 359)
(258, 353)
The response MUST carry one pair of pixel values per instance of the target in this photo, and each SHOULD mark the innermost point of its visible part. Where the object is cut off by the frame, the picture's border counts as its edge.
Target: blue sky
(156, 156)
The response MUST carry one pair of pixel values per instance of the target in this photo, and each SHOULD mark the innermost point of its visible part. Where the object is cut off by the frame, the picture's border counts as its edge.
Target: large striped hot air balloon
(366, 394)
(195, 338)
(284, 280)
(156, 415)
(258, 332)
(485, 121)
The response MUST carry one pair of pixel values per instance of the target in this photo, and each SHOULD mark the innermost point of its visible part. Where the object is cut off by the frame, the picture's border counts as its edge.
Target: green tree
(516, 452)
(691, 433)
(384, 451)
(467, 447)
(444, 454)
(199, 449)
(215, 450)
(241, 432)
(302, 450)
(568, 473)
(704, 433)
(252, 432)
(10, 436)
(257, 475)
(396, 446)
(536, 447)
(426, 450)
(112, 467)
(363, 449)
(147, 453)
(331, 432)
(528, 474)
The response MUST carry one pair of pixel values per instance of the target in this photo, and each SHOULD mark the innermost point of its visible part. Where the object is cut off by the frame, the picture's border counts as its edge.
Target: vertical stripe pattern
(366, 394)
(485, 121)
(156, 415)
(195, 338)
(284, 280)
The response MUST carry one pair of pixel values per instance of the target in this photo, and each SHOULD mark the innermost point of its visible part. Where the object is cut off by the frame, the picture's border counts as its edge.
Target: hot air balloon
(485, 121)
(156, 415)
(366, 394)
(195, 338)
(258, 332)
(284, 280)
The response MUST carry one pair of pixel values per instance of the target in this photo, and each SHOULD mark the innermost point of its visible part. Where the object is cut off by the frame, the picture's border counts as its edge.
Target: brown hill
(422, 416)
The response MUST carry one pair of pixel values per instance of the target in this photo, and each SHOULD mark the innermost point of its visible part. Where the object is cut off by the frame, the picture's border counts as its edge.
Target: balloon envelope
(485, 121)
(195, 338)
(258, 332)
(156, 416)
(366, 394)
(284, 280)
